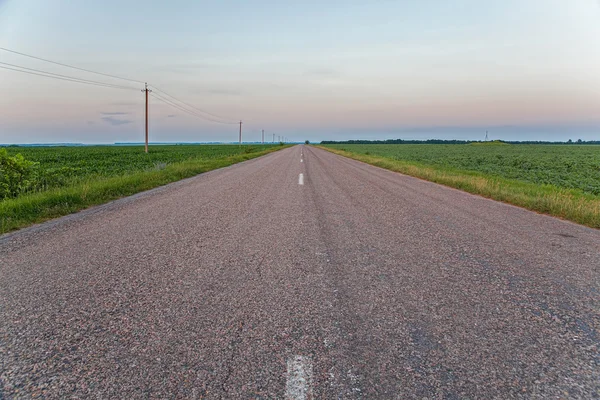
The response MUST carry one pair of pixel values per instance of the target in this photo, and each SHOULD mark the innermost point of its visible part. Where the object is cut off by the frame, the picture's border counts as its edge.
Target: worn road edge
(113, 204)
(558, 203)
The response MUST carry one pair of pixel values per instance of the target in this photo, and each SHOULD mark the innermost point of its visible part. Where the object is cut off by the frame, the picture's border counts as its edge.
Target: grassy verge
(569, 204)
(38, 207)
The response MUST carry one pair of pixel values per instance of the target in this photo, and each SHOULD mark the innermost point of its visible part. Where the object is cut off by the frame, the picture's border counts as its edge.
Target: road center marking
(298, 384)
(301, 179)
(301, 160)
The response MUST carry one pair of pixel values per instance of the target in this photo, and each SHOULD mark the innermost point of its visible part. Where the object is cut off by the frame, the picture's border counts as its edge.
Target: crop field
(563, 166)
(39, 183)
(60, 166)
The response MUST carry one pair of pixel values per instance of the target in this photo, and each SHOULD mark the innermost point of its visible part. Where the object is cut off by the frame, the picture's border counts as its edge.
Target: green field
(60, 166)
(55, 181)
(560, 180)
(565, 166)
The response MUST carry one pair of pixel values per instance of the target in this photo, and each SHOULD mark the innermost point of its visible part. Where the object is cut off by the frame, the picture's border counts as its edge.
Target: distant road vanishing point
(301, 275)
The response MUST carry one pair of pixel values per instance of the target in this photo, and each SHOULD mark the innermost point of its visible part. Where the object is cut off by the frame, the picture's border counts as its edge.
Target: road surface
(301, 275)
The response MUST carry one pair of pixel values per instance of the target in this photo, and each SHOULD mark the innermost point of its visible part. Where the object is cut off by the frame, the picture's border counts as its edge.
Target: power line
(181, 108)
(169, 99)
(173, 104)
(215, 117)
(66, 77)
(193, 107)
(47, 75)
(227, 120)
(70, 66)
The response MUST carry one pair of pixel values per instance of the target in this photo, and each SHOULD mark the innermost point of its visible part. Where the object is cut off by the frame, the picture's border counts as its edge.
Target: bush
(17, 175)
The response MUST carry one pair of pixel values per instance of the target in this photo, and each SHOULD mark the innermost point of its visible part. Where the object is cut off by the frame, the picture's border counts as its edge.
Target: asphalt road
(244, 283)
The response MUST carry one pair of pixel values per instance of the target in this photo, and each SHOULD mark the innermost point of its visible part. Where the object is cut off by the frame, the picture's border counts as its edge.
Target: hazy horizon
(508, 133)
(332, 70)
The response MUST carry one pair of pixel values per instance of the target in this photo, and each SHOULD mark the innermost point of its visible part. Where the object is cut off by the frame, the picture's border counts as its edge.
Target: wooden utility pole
(147, 91)
(240, 132)
(273, 138)
(263, 136)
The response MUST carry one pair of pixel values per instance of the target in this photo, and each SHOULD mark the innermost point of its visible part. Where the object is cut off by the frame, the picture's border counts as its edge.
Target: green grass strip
(568, 204)
(38, 207)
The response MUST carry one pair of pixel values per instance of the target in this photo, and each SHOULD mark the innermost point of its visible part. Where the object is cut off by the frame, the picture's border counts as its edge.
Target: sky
(310, 70)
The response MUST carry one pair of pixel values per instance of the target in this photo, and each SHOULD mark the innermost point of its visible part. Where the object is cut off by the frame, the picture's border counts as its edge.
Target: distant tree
(307, 142)
(458, 142)
(579, 141)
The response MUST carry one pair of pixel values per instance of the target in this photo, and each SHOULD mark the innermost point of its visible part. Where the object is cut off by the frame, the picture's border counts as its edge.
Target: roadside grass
(37, 207)
(569, 204)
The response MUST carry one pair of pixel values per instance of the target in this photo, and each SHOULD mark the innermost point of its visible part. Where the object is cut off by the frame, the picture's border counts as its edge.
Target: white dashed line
(298, 384)
(301, 160)
(301, 179)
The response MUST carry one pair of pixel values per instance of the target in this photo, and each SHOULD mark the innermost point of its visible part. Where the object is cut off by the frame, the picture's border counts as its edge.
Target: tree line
(442, 141)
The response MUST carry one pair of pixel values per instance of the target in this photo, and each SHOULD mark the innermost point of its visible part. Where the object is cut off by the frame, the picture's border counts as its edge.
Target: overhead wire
(186, 110)
(65, 78)
(81, 80)
(169, 99)
(226, 120)
(179, 107)
(70, 66)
